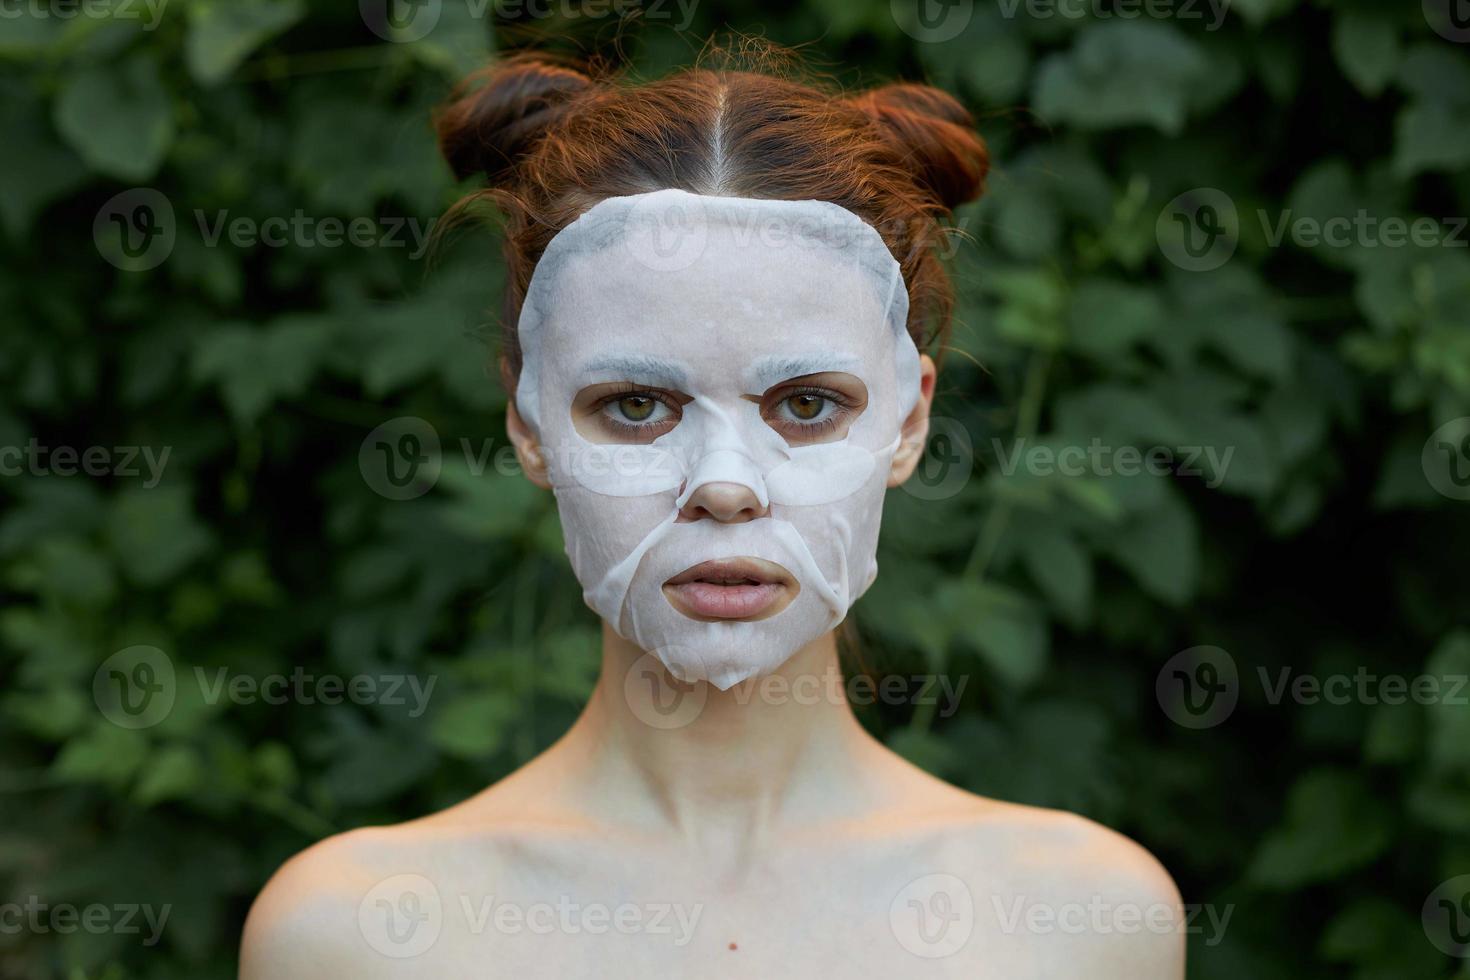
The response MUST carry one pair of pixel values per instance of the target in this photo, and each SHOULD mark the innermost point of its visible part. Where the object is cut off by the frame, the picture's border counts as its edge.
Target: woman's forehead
(743, 305)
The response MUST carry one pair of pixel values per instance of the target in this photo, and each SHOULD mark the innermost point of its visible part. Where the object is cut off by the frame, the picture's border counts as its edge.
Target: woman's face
(717, 387)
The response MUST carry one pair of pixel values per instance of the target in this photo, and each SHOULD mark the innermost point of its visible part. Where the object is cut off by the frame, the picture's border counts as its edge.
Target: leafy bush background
(1324, 549)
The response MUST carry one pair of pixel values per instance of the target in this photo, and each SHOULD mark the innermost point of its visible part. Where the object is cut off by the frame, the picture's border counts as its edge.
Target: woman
(720, 285)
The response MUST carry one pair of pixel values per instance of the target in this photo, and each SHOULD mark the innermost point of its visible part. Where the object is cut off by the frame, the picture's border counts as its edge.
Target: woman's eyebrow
(771, 370)
(638, 368)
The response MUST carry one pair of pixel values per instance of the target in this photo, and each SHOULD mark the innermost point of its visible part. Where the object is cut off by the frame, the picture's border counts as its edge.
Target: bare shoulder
(1084, 891)
(304, 923)
(319, 914)
(1049, 888)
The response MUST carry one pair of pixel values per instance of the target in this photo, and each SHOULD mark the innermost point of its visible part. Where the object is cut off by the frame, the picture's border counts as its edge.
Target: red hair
(554, 139)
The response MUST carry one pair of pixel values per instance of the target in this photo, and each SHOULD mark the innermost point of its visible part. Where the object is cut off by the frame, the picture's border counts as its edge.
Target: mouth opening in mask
(741, 589)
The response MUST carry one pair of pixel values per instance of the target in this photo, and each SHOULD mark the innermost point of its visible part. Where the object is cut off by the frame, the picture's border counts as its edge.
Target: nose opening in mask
(725, 466)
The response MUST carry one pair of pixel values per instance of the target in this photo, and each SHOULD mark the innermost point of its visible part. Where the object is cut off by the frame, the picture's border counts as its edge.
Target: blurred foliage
(1322, 547)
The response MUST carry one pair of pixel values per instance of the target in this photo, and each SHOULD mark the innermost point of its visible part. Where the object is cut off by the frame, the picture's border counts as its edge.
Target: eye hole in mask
(627, 414)
(804, 411)
(815, 408)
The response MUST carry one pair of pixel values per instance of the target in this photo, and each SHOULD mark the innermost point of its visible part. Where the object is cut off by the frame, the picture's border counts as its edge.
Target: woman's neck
(722, 768)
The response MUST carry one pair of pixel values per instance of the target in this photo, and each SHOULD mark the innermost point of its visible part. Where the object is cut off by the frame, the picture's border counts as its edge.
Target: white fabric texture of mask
(716, 300)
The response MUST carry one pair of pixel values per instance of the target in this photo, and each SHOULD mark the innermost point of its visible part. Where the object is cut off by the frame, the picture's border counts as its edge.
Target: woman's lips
(731, 588)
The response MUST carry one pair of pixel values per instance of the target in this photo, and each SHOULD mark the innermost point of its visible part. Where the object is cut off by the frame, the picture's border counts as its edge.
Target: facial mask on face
(719, 301)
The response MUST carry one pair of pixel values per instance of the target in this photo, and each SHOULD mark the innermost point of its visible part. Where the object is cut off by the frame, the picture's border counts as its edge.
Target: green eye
(636, 408)
(806, 407)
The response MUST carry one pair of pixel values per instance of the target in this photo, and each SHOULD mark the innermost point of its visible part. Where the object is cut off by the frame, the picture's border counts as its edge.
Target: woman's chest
(807, 915)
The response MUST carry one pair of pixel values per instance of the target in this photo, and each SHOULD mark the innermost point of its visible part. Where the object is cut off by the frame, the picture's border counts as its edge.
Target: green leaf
(1160, 549)
(458, 43)
(1108, 316)
(1001, 625)
(175, 772)
(1434, 72)
(473, 726)
(106, 754)
(1334, 824)
(1431, 136)
(371, 766)
(153, 533)
(1061, 566)
(223, 33)
(254, 367)
(1031, 306)
(1027, 223)
(1258, 12)
(1117, 416)
(927, 750)
(1448, 716)
(1367, 47)
(1058, 754)
(119, 118)
(38, 170)
(488, 504)
(1123, 73)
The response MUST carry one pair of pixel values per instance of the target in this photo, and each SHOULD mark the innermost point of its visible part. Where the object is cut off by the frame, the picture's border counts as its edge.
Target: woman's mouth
(732, 588)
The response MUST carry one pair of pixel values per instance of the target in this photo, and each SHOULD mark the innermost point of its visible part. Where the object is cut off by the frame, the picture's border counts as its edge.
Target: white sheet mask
(718, 300)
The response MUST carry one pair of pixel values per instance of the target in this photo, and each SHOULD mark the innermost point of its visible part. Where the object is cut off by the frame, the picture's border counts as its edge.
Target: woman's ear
(528, 450)
(915, 427)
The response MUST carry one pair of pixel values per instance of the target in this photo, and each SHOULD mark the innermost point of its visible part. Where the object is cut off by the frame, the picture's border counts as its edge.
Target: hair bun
(498, 113)
(936, 137)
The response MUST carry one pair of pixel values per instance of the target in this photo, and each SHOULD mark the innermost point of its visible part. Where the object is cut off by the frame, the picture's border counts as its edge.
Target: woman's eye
(806, 407)
(636, 408)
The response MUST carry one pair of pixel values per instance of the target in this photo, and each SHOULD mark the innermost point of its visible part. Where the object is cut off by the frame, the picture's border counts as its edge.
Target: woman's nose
(728, 503)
